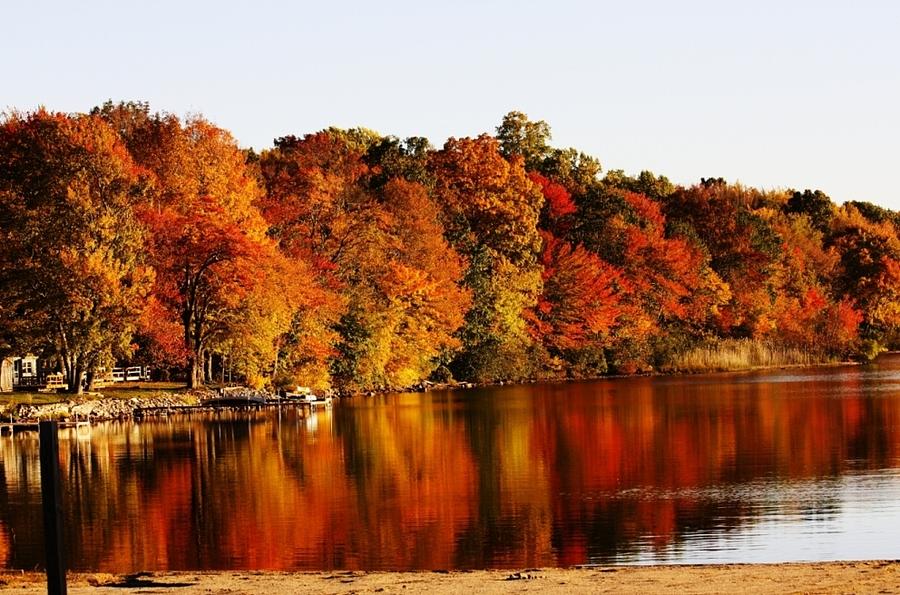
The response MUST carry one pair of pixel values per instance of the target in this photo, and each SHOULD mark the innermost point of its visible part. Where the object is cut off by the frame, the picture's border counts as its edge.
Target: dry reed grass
(741, 354)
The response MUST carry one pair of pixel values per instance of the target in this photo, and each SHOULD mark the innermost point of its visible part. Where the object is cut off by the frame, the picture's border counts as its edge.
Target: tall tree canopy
(491, 213)
(207, 240)
(375, 241)
(73, 278)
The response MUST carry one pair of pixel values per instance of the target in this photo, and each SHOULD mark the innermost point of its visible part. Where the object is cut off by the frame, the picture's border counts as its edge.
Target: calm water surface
(774, 466)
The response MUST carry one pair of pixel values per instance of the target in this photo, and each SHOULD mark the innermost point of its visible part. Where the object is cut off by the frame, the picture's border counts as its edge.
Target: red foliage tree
(581, 298)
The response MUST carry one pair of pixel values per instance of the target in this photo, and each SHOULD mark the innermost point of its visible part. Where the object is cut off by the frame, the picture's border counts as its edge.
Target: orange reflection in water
(518, 476)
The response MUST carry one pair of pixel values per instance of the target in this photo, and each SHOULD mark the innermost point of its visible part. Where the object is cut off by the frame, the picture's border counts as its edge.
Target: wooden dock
(11, 428)
(228, 403)
(15, 427)
(227, 400)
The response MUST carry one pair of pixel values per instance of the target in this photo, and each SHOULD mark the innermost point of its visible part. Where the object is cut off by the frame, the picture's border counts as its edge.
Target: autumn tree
(403, 289)
(773, 249)
(350, 205)
(579, 306)
(559, 208)
(207, 241)
(673, 295)
(313, 207)
(807, 312)
(491, 212)
(312, 194)
(868, 273)
(72, 273)
(875, 213)
(744, 248)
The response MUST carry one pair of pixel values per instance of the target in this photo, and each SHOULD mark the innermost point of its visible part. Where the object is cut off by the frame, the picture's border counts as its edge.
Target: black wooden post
(51, 497)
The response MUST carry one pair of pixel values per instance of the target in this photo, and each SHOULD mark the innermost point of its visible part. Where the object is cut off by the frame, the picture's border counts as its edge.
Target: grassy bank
(741, 354)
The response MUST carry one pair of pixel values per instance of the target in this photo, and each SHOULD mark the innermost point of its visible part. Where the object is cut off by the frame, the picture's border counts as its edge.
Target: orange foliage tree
(72, 275)
(806, 311)
(377, 245)
(405, 303)
(491, 211)
(420, 286)
(869, 274)
(671, 293)
(743, 248)
(207, 240)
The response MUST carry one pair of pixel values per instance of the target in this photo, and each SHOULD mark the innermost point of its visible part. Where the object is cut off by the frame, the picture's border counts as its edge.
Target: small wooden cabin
(27, 371)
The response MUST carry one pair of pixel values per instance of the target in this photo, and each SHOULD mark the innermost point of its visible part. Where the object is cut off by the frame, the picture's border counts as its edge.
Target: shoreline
(430, 386)
(98, 406)
(872, 576)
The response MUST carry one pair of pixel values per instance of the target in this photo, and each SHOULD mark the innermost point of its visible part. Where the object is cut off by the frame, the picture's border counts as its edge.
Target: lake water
(754, 467)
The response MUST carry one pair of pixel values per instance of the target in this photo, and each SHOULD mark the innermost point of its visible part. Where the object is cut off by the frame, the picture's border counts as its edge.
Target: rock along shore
(99, 407)
(102, 408)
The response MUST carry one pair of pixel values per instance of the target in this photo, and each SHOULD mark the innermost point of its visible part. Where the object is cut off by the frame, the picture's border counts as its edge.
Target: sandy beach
(826, 577)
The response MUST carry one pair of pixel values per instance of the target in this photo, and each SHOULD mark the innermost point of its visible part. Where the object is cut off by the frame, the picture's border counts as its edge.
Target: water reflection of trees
(539, 475)
(20, 505)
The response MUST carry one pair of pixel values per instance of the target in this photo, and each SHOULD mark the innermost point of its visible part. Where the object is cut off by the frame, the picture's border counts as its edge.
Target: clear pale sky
(771, 94)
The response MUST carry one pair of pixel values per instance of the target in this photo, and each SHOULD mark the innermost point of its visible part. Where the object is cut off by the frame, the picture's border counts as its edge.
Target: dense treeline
(351, 259)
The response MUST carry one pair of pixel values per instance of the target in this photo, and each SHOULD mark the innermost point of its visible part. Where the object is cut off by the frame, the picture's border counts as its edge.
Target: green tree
(392, 158)
(520, 137)
(816, 205)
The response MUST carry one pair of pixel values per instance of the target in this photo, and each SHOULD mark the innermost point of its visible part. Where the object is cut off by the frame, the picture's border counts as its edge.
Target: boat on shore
(305, 396)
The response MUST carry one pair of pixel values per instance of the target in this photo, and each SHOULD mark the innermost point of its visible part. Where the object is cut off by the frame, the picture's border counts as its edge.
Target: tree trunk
(275, 363)
(195, 368)
(71, 364)
(195, 359)
(73, 378)
(90, 380)
(193, 351)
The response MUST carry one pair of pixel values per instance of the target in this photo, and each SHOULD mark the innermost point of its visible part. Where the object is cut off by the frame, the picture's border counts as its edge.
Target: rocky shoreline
(98, 409)
(420, 387)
